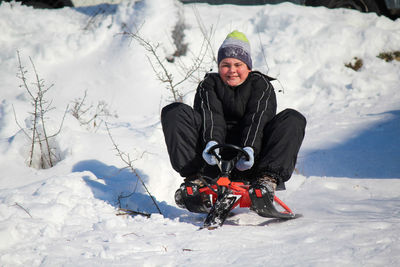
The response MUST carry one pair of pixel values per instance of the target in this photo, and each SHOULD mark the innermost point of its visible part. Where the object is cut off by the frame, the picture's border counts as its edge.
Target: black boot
(189, 197)
(262, 194)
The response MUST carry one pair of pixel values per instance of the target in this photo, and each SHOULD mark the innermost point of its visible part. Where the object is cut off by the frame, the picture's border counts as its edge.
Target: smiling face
(233, 71)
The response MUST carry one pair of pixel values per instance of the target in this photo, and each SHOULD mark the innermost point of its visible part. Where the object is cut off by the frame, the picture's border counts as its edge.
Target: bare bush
(160, 66)
(39, 136)
(89, 115)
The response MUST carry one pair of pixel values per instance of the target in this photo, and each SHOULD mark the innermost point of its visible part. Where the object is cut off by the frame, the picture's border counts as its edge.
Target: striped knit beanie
(236, 46)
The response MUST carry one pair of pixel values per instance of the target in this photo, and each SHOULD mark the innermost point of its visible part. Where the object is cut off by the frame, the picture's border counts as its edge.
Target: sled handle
(226, 166)
(241, 151)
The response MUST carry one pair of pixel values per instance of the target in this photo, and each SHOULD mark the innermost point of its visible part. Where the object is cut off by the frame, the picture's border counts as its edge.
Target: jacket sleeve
(260, 109)
(210, 107)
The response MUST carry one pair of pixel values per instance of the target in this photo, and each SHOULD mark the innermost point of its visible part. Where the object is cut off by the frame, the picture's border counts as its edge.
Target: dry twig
(27, 212)
(132, 212)
(125, 157)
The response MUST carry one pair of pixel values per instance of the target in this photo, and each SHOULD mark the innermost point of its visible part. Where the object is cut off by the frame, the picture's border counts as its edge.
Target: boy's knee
(295, 118)
(171, 110)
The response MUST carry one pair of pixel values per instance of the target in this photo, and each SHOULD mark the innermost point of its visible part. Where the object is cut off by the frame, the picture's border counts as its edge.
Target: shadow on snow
(101, 9)
(375, 153)
(121, 188)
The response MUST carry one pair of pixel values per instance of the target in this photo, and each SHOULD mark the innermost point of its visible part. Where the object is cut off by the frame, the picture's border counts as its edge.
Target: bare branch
(129, 163)
(27, 212)
(262, 50)
(132, 212)
(61, 124)
(19, 126)
(21, 75)
(207, 37)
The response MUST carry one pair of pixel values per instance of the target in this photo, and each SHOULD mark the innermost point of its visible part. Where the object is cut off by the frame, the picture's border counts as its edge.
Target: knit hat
(236, 46)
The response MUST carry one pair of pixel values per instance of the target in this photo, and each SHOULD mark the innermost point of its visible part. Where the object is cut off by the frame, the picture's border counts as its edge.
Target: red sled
(226, 195)
(242, 190)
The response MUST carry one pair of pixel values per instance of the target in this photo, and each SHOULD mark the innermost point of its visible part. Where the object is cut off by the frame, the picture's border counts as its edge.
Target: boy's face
(233, 71)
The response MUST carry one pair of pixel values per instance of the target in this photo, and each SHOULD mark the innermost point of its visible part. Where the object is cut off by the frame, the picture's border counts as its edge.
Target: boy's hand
(243, 164)
(209, 158)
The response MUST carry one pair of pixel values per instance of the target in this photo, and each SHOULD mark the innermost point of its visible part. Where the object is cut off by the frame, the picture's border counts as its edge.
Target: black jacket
(243, 110)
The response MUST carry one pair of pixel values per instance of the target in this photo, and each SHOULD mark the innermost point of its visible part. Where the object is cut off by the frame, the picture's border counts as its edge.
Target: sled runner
(225, 195)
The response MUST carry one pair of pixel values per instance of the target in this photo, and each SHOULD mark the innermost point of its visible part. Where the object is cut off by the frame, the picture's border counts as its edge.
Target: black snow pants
(282, 138)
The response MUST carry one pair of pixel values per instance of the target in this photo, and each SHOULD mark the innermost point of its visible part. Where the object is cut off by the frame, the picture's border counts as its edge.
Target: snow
(346, 182)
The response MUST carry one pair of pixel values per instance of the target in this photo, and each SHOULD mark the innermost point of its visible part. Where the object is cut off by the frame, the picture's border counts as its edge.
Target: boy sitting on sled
(234, 106)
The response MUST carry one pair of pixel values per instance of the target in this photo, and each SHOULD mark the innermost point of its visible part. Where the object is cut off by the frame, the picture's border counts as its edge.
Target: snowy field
(347, 180)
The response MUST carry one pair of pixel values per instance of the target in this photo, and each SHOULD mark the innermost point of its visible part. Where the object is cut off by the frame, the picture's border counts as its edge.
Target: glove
(243, 164)
(209, 158)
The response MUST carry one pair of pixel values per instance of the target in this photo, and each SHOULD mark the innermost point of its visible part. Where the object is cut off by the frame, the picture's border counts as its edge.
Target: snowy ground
(347, 181)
